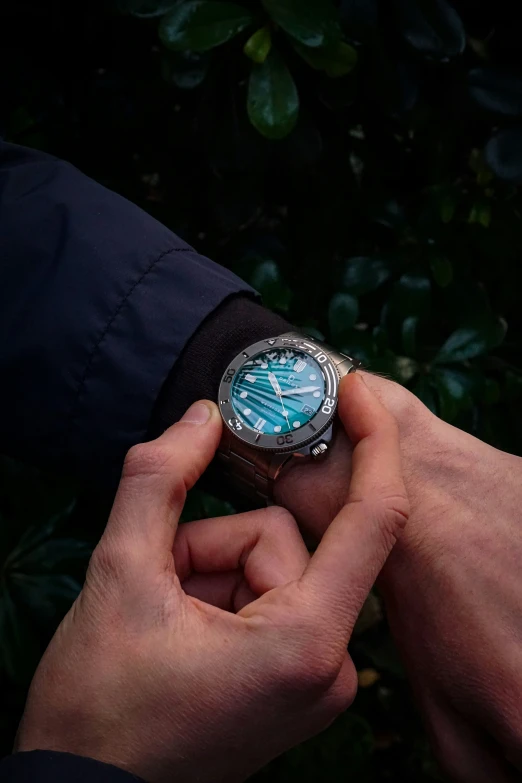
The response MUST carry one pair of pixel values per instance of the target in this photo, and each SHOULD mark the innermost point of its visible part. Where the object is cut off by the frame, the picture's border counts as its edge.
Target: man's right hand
(149, 673)
(453, 584)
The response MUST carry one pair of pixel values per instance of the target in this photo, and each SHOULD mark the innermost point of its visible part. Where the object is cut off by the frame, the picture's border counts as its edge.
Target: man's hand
(453, 584)
(148, 672)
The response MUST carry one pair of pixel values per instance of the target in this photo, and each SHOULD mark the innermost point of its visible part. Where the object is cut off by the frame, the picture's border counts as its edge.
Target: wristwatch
(278, 400)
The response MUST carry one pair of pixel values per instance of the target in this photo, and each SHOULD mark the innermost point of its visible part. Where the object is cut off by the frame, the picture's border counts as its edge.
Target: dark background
(375, 202)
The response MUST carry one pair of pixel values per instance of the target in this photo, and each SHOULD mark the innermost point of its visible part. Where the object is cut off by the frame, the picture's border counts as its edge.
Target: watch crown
(319, 450)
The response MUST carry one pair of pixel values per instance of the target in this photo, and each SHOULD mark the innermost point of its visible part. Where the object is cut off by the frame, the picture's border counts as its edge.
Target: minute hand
(303, 390)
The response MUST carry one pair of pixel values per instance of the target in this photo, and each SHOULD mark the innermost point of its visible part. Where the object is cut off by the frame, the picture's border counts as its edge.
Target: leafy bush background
(359, 164)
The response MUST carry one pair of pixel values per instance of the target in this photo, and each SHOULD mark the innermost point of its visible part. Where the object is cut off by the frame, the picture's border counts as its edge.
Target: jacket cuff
(43, 766)
(235, 324)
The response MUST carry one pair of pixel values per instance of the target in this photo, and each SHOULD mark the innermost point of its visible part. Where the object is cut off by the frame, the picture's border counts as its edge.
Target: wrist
(314, 493)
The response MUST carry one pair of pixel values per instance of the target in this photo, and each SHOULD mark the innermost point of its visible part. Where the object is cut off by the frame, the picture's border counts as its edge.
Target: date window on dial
(307, 410)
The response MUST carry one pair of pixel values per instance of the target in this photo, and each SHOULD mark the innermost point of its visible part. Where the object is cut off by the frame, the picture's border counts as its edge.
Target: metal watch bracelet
(254, 471)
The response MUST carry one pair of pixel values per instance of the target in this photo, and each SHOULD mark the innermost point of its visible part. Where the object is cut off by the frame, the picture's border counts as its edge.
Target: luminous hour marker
(313, 377)
(250, 378)
(260, 423)
(317, 394)
(299, 366)
(264, 366)
(243, 395)
(277, 428)
(297, 424)
(247, 412)
(282, 360)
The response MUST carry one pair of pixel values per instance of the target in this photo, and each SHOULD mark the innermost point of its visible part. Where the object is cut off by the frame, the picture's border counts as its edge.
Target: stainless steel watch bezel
(304, 435)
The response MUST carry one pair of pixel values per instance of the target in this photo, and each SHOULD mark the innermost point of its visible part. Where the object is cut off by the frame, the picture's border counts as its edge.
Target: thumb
(358, 541)
(156, 477)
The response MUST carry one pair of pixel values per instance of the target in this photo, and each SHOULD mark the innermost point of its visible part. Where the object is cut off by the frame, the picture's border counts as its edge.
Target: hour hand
(303, 390)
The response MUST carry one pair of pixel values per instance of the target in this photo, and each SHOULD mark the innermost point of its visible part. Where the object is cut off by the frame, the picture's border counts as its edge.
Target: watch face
(279, 394)
(278, 391)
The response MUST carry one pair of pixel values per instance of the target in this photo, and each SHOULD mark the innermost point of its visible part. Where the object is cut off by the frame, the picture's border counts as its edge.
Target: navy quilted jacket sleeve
(97, 302)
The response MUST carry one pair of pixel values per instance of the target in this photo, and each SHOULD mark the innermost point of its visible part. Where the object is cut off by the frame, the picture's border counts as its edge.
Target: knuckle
(395, 509)
(311, 667)
(390, 512)
(280, 519)
(146, 460)
(107, 562)
(342, 693)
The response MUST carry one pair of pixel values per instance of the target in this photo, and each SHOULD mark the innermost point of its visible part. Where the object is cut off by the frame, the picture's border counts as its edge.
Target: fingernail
(198, 413)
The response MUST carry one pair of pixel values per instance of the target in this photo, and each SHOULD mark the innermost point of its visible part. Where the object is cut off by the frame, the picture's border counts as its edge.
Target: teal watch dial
(277, 391)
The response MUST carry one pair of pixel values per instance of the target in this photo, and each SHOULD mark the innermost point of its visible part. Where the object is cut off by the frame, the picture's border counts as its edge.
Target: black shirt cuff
(44, 766)
(237, 323)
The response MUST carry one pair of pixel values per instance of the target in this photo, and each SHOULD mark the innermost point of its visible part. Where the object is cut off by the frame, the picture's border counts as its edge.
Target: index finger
(360, 538)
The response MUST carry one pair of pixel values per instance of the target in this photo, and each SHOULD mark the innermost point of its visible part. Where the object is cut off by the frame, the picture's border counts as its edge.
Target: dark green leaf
(186, 70)
(337, 59)
(199, 25)
(342, 315)
(503, 155)
(480, 213)
(513, 386)
(491, 391)
(470, 342)
(432, 27)
(404, 369)
(46, 595)
(361, 345)
(19, 651)
(454, 392)
(50, 554)
(409, 335)
(411, 296)
(442, 270)
(363, 274)
(273, 102)
(258, 45)
(497, 89)
(146, 8)
(311, 22)
(267, 279)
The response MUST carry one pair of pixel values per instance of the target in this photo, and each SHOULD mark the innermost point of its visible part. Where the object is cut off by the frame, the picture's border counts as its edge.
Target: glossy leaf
(470, 342)
(146, 8)
(199, 25)
(454, 391)
(497, 89)
(480, 213)
(311, 22)
(342, 315)
(411, 295)
(442, 270)
(185, 70)
(273, 102)
(337, 59)
(363, 274)
(432, 27)
(258, 45)
(44, 593)
(267, 279)
(409, 335)
(503, 155)
(20, 649)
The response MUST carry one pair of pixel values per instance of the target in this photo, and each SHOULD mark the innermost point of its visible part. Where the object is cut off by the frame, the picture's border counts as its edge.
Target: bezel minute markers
(279, 394)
